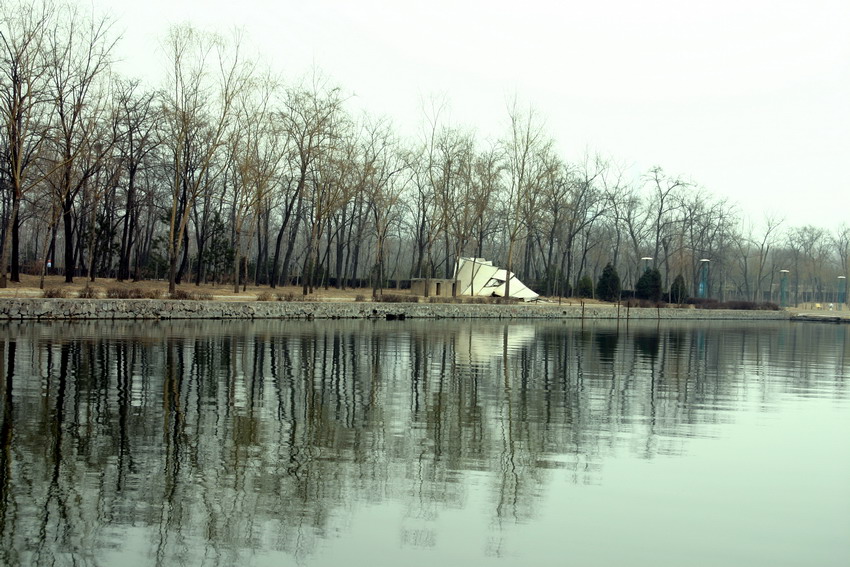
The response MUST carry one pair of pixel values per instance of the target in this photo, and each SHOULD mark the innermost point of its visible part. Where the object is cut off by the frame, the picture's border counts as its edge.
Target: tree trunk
(128, 229)
(68, 224)
(290, 246)
(184, 263)
(7, 244)
(16, 246)
(261, 269)
(276, 259)
(237, 256)
(310, 259)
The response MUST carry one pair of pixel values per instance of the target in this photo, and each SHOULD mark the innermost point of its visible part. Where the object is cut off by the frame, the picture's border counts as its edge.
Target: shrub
(359, 298)
(116, 293)
(584, 288)
(396, 298)
(133, 293)
(182, 294)
(89, 292)
(445, 300)
(608, 286)
(265, 296)
(737, 304)
(644, 303)
(55, 292)
(700, 302)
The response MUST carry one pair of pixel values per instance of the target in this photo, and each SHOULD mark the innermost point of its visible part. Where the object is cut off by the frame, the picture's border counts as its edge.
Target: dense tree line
(226, 173)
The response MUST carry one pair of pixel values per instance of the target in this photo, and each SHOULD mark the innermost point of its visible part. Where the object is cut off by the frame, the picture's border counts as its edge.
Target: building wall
(436, 287)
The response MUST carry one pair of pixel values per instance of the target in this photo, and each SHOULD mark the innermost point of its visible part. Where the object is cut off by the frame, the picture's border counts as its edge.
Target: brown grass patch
(107, 287)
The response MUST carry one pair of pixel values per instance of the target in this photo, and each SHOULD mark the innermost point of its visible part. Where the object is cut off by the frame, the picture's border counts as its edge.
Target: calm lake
(372, 443)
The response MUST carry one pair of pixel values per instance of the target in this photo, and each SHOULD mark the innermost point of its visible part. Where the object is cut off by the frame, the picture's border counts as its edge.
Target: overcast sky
(749, 99)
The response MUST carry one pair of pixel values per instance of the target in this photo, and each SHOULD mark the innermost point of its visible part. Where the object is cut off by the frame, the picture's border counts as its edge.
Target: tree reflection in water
(212, 441)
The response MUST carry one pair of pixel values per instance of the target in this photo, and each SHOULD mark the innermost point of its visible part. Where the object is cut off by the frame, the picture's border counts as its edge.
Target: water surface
(425, 442)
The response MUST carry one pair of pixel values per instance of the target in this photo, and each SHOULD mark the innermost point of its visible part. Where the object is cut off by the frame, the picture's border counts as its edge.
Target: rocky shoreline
(19, 309)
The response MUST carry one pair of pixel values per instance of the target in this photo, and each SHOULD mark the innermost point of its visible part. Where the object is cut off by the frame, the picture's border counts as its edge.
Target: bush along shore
(48, 309)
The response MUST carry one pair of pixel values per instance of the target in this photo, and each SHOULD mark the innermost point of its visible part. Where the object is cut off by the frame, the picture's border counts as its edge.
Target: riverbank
(24, 301)
(42, 309)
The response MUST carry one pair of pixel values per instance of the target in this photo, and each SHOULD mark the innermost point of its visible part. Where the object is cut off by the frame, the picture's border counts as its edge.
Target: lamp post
(702, 291)
(842, 292)
(783, 288)
(646, 261)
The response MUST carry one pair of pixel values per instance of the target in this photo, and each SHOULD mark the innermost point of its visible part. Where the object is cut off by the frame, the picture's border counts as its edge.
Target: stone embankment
(153, 309)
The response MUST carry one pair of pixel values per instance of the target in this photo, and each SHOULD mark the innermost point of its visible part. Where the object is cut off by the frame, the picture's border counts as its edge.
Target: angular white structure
(477, 276)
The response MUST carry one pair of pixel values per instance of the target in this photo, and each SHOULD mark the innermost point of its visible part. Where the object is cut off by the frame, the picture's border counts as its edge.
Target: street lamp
(783, 288)
(646, 261)
(702, 292)
(842, 292)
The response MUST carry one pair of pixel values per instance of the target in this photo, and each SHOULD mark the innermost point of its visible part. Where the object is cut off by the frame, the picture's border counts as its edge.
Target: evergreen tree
(649, 285)
(608, 286)
(678, 290)
(584, 288)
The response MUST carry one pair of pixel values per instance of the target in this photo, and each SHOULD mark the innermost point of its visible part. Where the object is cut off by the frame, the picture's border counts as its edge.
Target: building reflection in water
(221, 439)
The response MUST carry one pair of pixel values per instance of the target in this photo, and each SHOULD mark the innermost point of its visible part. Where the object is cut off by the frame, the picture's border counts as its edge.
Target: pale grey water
(424, 443)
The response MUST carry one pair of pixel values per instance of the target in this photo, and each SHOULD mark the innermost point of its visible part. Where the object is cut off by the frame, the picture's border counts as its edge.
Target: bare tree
(757, 245)
(555, 201)
(255, 155)
(433, 175)
(841, 242)
(420, 213)
(586, 203)
(328, 190)
(308, 117)
(383, 184)
(206, 74)
(451, 158)
(814, 247)
(524, 144)
(24, 108)
(701, 224)
(488, 172)
(664, 202)
(80, 48)
(136, 122)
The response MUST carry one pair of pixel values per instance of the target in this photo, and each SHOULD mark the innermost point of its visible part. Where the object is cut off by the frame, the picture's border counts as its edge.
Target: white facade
(477, 276)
